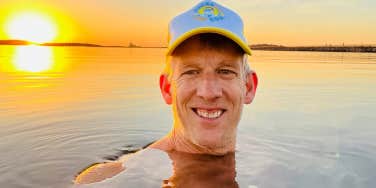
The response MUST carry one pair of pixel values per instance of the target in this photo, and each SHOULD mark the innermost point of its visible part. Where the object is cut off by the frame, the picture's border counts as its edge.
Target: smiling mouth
(209, 114)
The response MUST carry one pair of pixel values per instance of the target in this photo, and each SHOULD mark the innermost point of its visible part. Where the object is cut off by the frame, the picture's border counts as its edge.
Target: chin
(211, 143)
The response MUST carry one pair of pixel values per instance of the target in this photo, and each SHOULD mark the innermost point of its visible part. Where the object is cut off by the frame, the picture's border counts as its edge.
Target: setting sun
(32, 27)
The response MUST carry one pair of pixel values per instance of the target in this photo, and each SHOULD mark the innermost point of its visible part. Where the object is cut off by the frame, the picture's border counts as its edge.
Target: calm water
(312, 123)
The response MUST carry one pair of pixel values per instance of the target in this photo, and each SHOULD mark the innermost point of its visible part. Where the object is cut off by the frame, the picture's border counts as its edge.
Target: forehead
(195, 51)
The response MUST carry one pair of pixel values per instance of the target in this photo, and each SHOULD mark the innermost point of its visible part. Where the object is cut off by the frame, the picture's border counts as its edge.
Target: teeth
(210, 115)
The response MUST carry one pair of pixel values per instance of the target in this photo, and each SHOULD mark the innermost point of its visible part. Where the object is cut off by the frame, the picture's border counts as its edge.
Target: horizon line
(132, 45)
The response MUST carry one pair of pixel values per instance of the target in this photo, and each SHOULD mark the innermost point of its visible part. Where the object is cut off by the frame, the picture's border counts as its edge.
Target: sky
(145, 22)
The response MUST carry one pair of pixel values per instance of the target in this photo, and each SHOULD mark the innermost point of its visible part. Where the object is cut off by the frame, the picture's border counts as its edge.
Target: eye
(226, 72)
(191, 72)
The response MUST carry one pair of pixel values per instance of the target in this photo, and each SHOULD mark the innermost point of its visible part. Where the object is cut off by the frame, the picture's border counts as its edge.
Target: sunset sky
(144, 22)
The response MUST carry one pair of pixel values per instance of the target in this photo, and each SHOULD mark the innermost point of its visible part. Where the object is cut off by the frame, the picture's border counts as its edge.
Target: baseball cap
(207, 17)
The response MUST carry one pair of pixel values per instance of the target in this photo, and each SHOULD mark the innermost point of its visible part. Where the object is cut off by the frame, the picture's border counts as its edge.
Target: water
(310, 125)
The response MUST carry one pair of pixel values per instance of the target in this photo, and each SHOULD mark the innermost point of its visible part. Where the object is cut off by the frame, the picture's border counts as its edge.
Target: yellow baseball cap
(207, 17)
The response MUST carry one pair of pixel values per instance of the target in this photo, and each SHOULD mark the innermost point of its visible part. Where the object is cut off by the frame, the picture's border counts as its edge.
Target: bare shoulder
(163, 144)
(99, 172)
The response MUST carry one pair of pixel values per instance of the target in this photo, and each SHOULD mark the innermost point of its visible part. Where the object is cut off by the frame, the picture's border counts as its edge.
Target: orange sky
(144, 22)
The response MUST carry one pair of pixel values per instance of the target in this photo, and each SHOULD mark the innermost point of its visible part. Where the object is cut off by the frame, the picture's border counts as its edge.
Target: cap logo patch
(208, 11)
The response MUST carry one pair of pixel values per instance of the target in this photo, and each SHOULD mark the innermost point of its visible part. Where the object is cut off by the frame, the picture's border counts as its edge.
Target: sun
(32, 27)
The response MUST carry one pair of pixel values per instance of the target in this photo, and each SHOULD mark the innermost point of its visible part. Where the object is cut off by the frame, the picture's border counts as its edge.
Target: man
(207, 80)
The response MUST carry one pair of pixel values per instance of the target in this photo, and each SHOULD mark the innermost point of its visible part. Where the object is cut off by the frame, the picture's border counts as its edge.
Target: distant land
(72, 44)
(269, 47)
(327, 48)
(24, 42)
(14, 42)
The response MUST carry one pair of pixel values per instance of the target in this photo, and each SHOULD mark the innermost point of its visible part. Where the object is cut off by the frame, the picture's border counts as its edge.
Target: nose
(209, 88)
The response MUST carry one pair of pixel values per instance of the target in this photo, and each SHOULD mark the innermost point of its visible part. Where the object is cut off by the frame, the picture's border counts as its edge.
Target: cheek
(235, 92)
(182, 93)
(184, 89)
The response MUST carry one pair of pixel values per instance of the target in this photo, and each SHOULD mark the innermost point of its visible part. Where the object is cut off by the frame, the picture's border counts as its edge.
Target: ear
(165, 85)
(251, 86)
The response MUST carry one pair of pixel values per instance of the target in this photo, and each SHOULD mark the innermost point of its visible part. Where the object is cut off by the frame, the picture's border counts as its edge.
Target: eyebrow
(227, 63)
(190, 64)
(194, 64)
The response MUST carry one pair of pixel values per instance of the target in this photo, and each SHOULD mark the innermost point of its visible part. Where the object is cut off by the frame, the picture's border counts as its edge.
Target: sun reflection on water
(33, 58)
(32, 66)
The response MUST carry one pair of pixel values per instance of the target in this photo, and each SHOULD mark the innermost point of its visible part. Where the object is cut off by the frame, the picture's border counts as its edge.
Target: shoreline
(329, 48)
(264, 47)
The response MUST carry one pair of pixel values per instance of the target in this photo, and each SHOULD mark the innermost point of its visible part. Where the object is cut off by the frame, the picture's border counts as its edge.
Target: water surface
(64, 108)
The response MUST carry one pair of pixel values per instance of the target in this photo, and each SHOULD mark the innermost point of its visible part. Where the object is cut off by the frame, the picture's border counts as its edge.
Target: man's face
(208, 90)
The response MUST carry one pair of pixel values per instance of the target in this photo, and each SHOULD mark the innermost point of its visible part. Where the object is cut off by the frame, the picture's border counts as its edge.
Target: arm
(99, 172)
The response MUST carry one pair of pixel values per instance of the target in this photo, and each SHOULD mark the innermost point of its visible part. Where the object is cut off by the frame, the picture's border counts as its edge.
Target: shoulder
(163, 144)
(99, 172)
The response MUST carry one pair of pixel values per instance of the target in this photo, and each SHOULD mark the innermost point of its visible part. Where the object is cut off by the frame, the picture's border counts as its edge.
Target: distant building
(131, 45)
